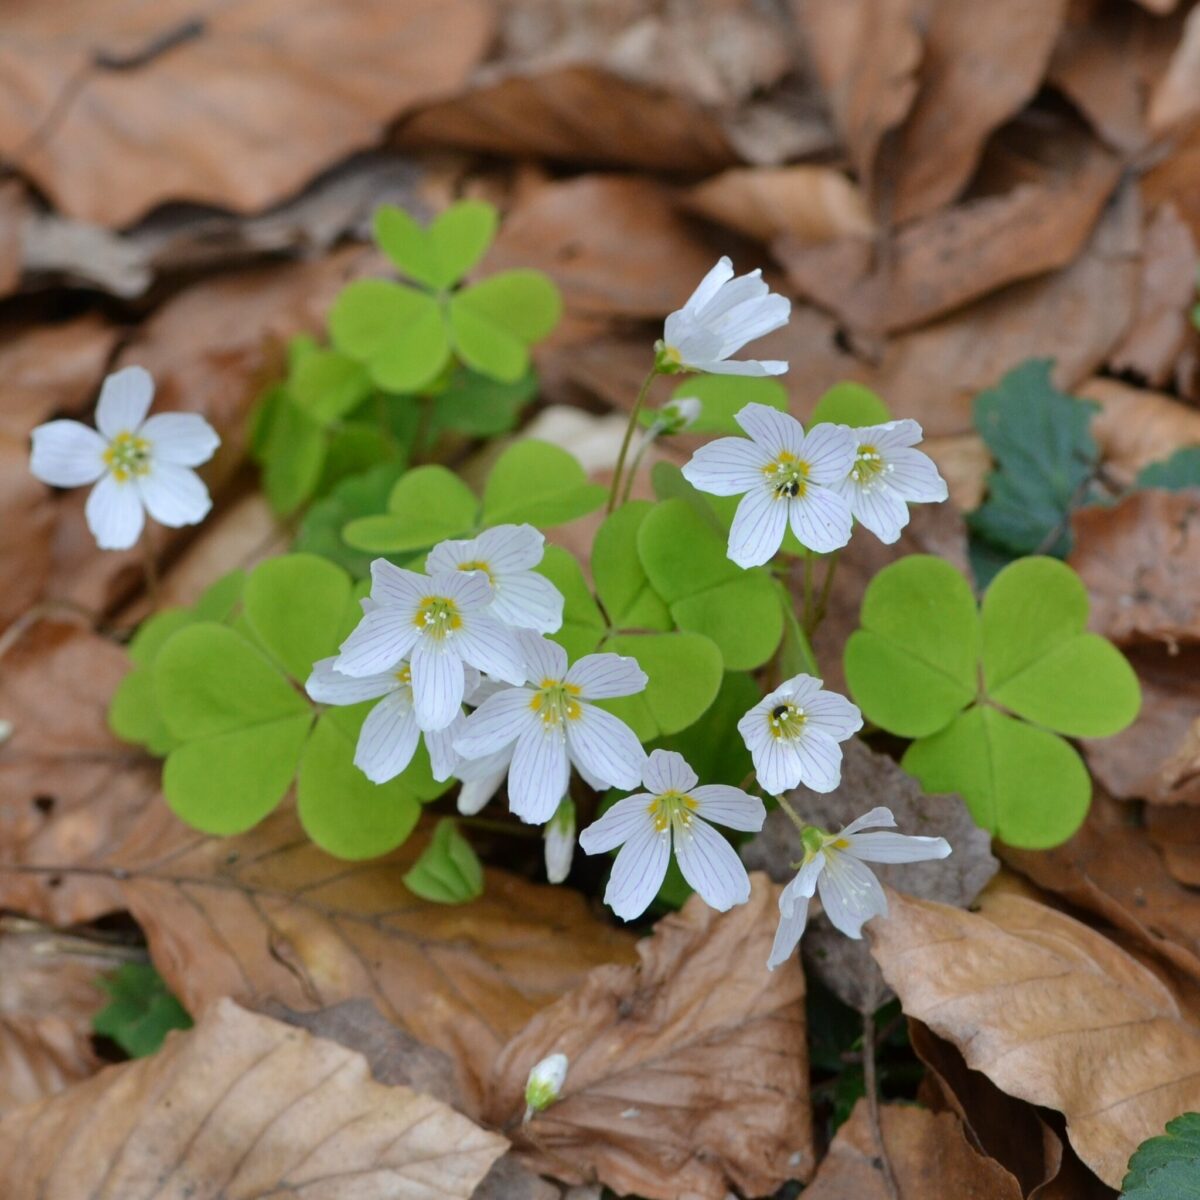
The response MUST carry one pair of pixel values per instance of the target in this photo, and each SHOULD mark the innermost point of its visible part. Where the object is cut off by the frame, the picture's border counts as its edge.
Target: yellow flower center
(787, 476)
(786, 720)
(476, 565)
(556, 703)
(127, 455)
(671, 808)
(868, 466)
(438, 617)
(404, 676)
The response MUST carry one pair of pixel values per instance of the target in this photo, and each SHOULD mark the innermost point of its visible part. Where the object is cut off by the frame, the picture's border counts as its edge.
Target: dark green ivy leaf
(1167, 1167)
(1181, 470)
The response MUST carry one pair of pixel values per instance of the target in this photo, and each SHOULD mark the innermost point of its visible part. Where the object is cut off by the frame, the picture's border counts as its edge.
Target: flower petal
(832, 714)
(443, 758)
(67, 454)
(711, 865)
(712, 283)
(544, 659)
(529, 601)
(605, 747)
(438, 684)
(793, 911)
(479, 788)
(819, 758)
(891, 435)
(470, 590)
(729, 806)
(896, 847)
(185, 439)
(125, 398)
(878, 508)
(821, 519)
(538, 777)
(869, 820)
(484, 643)
(388, 739)
(326, 685)
(603, 676)
(830, 451)
(771, 429)
(915, 476)
(394, 585)
(619, 823)
(758, 527)
(727, 467)
(497, 723)
(667, 771)
(380, 641)
(559, 850)
(508, 548)
(800, 689)
(174, 496)
(115, 514)
(850, 893)
(638, 873)
(777, 765)
(734, 366)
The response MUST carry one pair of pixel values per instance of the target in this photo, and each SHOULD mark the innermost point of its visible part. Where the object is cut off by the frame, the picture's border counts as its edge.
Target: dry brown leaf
(1140, 560)
(1176, 96)
(1176, 832)
(808, 203)
(14, 212)
(1047, 1009)
(1135, 427)
(114, 109)
(981, 65)
(688, 1073)
(1176, 179)
(242, 1105)
(963, 462)
(929, 1155)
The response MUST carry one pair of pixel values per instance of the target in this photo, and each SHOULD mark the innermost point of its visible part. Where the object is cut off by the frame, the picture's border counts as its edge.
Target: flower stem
(871, 1086)
(822, 607)
(809, 611)
(640, 453)
(633, 417)
(793, 816)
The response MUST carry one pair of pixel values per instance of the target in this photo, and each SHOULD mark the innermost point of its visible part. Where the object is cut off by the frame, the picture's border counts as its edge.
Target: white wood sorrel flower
(507, 555)
(888, 473)
(550, 724)
(835, 865)
(785, 475)
(674, 809)
(719, 318)
(441, 626)
(138, 464)
(793, 735)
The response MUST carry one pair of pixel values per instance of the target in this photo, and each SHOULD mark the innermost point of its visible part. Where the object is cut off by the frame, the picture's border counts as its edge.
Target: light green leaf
(540, 483)
(621, 582)
(481, 407)
(525, 304)
(722, 397)
(850, 404)
(141, 1010)
(328, 385)
(407, 244)
(355, 447)
(321, 531)
(1167, 1167)
(293, 457)
(427, 504)
(459, 238)
(715, 755)
(134, 714)
(156, 629)
(583, 623)
(1025, 785)
(796, 654)
(484, 345)
(448, 871)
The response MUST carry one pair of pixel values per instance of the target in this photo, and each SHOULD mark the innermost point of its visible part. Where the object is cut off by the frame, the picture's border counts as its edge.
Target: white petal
(477, 790)
(619, 823)
(915, 476)
(896, 847)
(718, 309)
(443, 758)
(830, 451)
(544, 659)
(393, 585)
(729, 806)
(734, 366)
(833, 715)
(751, 320)
(800, 689)
(470, 590)
(559, 851)
(710, 285)
(638, 873)
(820, 760)
(777, 765)
(388, 739)
(878, 508)
(850, 894)
(484, 643)
(727, 467)
(67, 454)
(529, 601)
(605, 747)
(771, 429)
(666, 771)
(821, 519)
(758, 527)
(326, 685)
(380, 641)
(603, 676)
(185, 439)
(538, 777)
(437, 684)
(174, 496)
(497, 723)
(115, 514)
(125, 398)
(508, 548)
(711, 865)
(793, 911)
(889, 436)
(878, 816)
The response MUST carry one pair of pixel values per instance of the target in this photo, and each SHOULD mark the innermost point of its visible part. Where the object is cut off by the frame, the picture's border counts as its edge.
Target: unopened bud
(544, 1083)
(560, 841)
(677, 415)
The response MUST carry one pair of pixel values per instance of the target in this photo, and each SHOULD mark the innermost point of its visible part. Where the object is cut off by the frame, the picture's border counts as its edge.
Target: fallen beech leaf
(1176, 832)
(1140, 560)
(688, 1073)
(1135, 427)
(807, 203)
(963, 462)
(929, 1155)
(14, 212)
(1176, 96)
(981, 65)
(1177, 179)
(868, 779)
(242, 1105)
(132, 107)
(1044, 1006)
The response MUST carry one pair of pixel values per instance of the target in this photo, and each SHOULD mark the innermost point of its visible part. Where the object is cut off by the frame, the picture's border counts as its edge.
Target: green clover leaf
(448, 870)
(441, 255)
(140, 1011)
(850, 404)
(721, 398)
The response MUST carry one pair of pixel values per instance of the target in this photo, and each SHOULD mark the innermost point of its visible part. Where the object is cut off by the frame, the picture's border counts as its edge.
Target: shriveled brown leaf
(868, 779)
(1136, 427)
(688, 1073)
(1176, 97)
(247, 1106)
(1048, 1009)
(981, 65)
(1140, 560)
(1176, 833)
(964, 463)
(115, 109)
(929, 1155)
(1176, 178)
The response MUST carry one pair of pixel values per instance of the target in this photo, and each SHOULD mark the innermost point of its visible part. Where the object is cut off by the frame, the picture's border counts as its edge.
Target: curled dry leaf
(688, 1073)
(929, 1155)
(1044, 1006)
(964, 463)
(113, 109)
(1176, 96)
(1135, 427)
(1140, 560)
(242, 1105)
(1176, 833)
(868, 779)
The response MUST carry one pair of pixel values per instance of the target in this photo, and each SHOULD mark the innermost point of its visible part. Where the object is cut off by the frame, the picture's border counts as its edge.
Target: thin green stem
(826, 590)
(633, 419)
(871, 1086)
(806, 619)
(631, 474)
(793, 816)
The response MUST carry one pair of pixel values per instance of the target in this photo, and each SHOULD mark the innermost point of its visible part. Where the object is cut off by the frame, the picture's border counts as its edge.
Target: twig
(872, 1087)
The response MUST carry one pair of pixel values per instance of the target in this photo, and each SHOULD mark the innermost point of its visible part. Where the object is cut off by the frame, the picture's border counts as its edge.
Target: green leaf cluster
(140, 1011)
(1167, 1167)
(448, 870)
(987, 692)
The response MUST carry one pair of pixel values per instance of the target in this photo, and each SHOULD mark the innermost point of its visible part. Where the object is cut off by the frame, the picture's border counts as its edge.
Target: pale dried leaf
(1177, 179)
(243, 1106)
(964, 463)
(688, 1073)
(1052, 1012)
(1176, 832)
(1135, 427)
(1176, 98)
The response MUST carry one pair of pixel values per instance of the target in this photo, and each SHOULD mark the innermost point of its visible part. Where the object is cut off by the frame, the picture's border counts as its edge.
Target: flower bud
(544, 1083)
(560, 841)
(677, 415)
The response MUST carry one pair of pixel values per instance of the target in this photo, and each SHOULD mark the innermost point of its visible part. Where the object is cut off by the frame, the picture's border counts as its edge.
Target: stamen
(785, 721)
(787, 476)
(438, 617)
(127, 456)
(672, 809)
(556, 703)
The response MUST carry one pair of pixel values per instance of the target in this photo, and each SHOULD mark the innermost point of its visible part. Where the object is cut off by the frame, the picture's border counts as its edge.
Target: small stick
(872, 1088)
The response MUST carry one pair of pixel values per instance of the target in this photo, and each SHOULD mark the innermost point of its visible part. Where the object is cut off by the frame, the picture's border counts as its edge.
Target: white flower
(440, 626)
(388, 738)
(507, 555)
(545, 1082)
(887, 472)
(834, 865)
(550, 725)
(143, 465)
(559, 836)
(793, 736)
(786, 475)
(677, 415)
(719, 318)
(644, 824)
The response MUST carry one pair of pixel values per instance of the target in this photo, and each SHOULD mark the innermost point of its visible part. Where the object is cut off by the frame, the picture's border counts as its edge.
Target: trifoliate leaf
(722, 397)
(328, 385)
(404, 241)
(351, 449)
(851, 404)
(321, 531)
(442, 254)
(712, 753)
(427, 505)
(621, 582)
(448, 871)
(134, 715)
(140, 1011)
(1181, 470)
(1167, 1167)
(583, 623)
(293, 454)
(481, 407)
(484, 345)
(524, 304)
(540, 483)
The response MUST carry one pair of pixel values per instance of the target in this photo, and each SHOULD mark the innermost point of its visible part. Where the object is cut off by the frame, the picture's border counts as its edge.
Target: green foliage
(448, 870)
(722, 397)
(850, 404)
(321, 531)
(140, 1011)
(1167, 1167)
(1181, 470)
(477, 406)
(987, 694)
